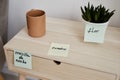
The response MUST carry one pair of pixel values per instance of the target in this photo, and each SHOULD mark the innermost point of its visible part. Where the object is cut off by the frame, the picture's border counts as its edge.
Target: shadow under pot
(36, 23)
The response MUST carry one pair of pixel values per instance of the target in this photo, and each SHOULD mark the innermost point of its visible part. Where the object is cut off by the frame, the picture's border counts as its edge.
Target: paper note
(94, 34)
(58, 49)
(22, 59)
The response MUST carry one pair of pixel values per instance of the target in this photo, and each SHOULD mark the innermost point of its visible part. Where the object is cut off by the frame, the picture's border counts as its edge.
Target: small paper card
(58, 49)
(94, 33)
(22, 59)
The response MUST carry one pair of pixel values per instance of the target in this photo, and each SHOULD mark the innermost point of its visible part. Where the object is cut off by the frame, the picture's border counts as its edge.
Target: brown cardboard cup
(36, 23)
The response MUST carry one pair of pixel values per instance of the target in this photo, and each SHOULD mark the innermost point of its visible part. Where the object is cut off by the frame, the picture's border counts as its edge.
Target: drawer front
(49, 69)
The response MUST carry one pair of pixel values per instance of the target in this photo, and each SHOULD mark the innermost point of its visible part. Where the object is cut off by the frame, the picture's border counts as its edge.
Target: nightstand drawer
(49, 69)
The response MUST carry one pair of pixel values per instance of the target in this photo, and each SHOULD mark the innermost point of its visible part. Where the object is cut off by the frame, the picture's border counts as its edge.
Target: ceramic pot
(36, 23)
(95, 32)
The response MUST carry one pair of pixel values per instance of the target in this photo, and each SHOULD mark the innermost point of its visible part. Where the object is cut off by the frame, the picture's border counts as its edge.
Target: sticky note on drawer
(22, 59)
(58, 49)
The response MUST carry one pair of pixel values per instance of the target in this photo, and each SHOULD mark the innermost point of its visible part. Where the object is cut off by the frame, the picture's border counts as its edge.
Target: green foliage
(97, 14)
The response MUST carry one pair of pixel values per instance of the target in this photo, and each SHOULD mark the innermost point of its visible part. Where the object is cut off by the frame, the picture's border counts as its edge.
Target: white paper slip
(94, 33)
(22, 59)
(58, 49)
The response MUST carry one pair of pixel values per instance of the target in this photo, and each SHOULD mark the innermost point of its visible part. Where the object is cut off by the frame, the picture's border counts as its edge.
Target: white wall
(67, 9)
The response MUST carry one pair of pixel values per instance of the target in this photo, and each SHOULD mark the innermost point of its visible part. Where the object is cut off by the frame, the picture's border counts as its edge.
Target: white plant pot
(95, 32)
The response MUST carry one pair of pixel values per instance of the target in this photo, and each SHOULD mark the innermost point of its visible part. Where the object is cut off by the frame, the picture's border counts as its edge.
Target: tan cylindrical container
(36, 23)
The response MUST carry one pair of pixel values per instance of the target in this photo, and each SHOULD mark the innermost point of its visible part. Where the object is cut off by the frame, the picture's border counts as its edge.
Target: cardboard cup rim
(27, 14)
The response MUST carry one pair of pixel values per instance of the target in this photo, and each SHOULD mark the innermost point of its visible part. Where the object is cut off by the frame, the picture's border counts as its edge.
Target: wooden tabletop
(103, 57)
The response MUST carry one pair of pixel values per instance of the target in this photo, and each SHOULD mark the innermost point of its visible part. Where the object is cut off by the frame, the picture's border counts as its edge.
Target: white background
(67, 9)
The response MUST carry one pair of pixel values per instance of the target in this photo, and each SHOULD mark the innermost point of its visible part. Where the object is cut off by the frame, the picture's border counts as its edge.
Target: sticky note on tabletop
(22, 59)
(58, 49)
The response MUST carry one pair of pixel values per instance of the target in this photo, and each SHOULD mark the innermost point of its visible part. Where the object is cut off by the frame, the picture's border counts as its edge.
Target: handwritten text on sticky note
(94, 33)
(58, 49)
(22, 59)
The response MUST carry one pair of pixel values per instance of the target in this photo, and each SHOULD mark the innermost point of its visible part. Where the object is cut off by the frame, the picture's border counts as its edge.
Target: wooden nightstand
(85, 61)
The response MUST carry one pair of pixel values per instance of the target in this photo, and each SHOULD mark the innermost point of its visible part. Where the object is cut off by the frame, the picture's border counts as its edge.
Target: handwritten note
(58, 49)
(94, 33)
(22, 59)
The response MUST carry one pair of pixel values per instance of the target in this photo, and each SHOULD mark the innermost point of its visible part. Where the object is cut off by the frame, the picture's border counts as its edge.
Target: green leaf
(88, 5)
(82, 11)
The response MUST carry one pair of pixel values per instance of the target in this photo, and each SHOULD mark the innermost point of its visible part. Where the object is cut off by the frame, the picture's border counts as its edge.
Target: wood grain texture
(102, 57)
(47, 68)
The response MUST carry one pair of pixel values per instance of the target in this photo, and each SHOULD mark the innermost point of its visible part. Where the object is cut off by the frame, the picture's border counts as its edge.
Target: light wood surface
(22, 77)
(97, 57)
(48, 69)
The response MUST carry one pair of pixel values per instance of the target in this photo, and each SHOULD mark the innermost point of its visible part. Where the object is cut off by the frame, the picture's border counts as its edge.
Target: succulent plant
(98, 14)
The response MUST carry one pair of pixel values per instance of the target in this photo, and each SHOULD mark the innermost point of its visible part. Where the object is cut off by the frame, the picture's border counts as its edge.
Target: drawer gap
(57, 62)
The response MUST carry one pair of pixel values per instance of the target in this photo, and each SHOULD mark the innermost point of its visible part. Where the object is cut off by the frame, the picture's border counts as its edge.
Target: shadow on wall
(3, 28)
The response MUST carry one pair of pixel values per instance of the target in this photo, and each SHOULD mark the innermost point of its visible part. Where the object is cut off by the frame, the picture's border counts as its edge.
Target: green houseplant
(98, 14)
(96, 21)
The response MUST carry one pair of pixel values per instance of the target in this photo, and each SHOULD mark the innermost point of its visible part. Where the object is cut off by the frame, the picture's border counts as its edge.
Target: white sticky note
(94, 33)
(58, 49)
(22, 59)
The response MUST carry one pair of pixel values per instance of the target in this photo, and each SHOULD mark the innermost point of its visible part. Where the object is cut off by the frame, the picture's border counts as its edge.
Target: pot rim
(105, 23)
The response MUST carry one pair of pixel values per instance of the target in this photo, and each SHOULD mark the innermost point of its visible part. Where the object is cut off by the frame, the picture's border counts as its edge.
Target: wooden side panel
(118, 77)
(49, 69)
